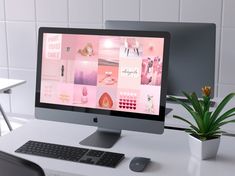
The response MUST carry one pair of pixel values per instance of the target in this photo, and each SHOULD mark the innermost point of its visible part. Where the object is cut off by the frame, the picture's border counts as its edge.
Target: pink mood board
(103, 72)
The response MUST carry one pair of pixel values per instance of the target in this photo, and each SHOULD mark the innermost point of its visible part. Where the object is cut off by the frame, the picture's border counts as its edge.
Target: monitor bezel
(114, 113)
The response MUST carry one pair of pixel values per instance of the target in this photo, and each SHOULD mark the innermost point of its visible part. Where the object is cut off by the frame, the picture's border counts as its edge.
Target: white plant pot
(203, 149)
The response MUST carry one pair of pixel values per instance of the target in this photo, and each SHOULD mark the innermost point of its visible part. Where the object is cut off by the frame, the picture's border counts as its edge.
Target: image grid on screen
(121, 73)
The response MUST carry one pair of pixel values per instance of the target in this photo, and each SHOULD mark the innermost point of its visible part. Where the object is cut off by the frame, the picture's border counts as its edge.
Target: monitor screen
(112, 79)
(106, 72)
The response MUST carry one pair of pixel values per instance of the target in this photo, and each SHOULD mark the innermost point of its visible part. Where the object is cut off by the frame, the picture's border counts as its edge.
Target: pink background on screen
(90, 97)
(65, 75)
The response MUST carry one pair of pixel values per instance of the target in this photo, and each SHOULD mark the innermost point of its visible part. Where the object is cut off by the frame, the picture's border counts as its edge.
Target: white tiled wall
(228, 15)
(3, 45)
(22, 10)
(159, 10)
(1, 10)
(89, 12)
(51, 10)
(121, 9)
(5, 98)
(21, 42)
(201, 11)
(20, 20)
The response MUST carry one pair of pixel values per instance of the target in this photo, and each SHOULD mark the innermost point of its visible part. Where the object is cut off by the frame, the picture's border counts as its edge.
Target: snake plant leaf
(221, 106)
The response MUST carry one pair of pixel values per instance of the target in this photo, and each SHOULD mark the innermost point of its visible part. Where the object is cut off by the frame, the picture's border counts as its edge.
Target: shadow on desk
(226, 159)
(153, 167)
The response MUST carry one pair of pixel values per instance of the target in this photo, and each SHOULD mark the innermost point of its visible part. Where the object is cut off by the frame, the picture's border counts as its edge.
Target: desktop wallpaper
(104, 72)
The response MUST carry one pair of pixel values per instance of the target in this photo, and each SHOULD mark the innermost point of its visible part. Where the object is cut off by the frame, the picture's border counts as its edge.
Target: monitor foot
(104, 138)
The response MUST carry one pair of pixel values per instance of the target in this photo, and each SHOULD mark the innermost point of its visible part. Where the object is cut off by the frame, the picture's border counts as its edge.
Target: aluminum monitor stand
(104, 138)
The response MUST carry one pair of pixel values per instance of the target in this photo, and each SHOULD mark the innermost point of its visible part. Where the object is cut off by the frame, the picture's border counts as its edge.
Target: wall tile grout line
(19, 21)
(35, 21)
(140, 10)
(5, 26)
(179, 12)
(68, 18)
(7, 54)
(220, 47)
(21, 69)
(102, 14)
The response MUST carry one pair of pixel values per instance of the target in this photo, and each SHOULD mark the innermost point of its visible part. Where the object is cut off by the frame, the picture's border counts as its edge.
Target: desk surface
(6, 84)
(169, 152)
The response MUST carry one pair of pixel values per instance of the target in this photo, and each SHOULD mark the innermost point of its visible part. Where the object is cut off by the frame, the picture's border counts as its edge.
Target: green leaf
(226, 122)
(192, 132)
(196, 104)
(182, 103)
(187, 96)
(206, 103)
(213, 133)
(198, 120)
(221, 106)
(194, 114)
(207, 123)
(193, 99)
(226, 115)
(183, 119)
(206, 120)
(214, 127)
(195, 128)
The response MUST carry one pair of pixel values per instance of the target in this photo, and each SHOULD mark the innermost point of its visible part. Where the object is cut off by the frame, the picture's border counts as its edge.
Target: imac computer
(112, 79)
(192, 53)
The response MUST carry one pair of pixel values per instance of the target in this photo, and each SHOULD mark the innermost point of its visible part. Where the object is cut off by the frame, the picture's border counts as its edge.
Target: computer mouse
(138, 164)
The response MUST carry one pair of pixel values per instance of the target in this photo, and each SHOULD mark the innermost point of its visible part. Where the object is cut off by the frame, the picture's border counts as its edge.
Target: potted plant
(205, 131)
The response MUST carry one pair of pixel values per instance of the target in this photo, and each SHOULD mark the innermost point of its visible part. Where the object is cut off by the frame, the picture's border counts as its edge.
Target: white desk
(6, 84)
(5, 87)
(169, 152)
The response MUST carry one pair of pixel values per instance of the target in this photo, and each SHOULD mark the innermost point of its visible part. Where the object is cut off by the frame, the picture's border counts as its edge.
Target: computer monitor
(192, 53)
(112, 79)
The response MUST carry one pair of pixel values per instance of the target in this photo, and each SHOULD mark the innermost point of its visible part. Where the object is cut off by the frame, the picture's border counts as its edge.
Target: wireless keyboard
(69, 153)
